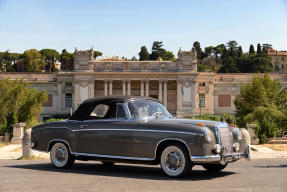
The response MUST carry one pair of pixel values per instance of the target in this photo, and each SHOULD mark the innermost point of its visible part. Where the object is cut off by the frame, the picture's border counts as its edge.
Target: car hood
(190, 124)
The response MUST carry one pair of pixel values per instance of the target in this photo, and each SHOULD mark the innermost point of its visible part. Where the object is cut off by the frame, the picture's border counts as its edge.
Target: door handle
(83, 126)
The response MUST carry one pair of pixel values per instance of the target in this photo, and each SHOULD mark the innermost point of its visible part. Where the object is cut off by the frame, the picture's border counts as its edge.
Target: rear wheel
(61, 157)
(214, 168)
(175, 161)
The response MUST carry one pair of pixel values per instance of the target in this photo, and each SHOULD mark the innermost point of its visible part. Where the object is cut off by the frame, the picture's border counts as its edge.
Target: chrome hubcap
(173, 161)
(60, 155)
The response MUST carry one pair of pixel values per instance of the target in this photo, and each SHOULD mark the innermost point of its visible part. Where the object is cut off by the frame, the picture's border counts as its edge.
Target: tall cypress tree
(251, 49)
(259, 50)
(144, 54)
(240, 51)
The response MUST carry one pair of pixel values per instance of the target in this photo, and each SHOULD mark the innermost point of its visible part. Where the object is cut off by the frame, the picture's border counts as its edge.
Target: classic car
(134, 129)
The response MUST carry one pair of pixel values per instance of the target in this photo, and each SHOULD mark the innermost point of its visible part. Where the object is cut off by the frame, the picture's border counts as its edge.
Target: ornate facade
(178, 85)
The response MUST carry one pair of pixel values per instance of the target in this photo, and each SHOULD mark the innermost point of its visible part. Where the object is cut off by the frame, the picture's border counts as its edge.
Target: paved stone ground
(11, 152)
(258, 151)
(39, 175)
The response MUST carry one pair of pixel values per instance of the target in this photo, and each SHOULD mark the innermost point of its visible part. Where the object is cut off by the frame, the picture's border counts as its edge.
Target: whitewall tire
(60, 156)
(175, 161)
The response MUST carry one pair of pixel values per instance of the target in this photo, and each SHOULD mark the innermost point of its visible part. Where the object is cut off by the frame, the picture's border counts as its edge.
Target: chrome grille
(226, 139)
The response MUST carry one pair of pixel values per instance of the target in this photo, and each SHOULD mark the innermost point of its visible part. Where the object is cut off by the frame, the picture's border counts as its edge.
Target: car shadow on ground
(122, 170)
(271, 166)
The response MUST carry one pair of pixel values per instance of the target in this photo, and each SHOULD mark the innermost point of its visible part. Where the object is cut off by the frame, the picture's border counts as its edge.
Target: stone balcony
(141, 66)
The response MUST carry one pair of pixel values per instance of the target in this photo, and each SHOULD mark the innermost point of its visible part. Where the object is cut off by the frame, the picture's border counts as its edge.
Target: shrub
(19, 103)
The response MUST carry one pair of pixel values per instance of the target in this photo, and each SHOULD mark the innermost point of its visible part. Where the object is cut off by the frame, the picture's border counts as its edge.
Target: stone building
(177, 84)
(279, 60)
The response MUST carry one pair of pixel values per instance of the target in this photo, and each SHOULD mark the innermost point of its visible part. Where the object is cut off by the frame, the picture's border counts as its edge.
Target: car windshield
(146, 109)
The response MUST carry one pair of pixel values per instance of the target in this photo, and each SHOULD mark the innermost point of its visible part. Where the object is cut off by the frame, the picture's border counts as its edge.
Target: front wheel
(214, 168)
(175, 161)
(61, 157)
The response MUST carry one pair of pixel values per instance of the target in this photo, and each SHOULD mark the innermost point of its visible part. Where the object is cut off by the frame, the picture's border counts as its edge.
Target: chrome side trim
(140, 130)
(77, 130)
(60, 140)
(54, 128)
(165, 131)
(209, 158)
(111, 156)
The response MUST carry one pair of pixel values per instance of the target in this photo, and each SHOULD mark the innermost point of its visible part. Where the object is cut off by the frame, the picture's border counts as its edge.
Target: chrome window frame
(129, 113)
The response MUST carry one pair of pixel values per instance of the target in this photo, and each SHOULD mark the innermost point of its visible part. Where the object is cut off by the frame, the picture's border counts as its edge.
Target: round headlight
(208, 135)
(238, 134)
(236, 147)
(217, 148)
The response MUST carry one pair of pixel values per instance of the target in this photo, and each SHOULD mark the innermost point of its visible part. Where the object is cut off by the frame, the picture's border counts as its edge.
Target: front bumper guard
(223, 158)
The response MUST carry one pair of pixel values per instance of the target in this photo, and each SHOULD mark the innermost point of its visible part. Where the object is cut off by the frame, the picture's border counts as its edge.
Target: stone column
(106, 88)
(165, 93)
(111, 87)
(91, 89)
(18, 133)
(76, 98)
(124, 87)
(129, 87)
(179, 98)
(142, 87)
(147, 88)
(160, 91)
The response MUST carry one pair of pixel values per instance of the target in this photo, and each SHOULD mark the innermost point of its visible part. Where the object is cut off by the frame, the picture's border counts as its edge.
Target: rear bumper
(223, 158)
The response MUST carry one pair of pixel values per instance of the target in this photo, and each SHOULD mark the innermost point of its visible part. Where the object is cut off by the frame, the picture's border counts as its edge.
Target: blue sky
(121, 27)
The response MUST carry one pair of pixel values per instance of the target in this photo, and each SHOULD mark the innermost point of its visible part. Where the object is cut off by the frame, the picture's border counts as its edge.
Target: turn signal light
(200, 124)
(232, 125)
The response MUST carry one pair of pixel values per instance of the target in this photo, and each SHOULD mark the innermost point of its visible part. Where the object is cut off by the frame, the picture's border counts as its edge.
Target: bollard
(27, 151)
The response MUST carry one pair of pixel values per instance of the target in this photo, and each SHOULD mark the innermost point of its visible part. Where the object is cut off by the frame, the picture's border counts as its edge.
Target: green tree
(144, 54)
(18, 103)
(251, 50)
(51, 56)
(208, 51)
(157, 50)
(97, 54)
(259, 103)
(244, 63)
(196, 46)
(266, 46)
(239, 52)
(168, 55)
(67, 60)
(262, 64)
(232, 48)
(8, 61)
(228, 65)
(227, 118)
(33, 61)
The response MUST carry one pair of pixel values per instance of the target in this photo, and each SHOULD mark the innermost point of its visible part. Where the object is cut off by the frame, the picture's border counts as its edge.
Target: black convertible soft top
(84, 110)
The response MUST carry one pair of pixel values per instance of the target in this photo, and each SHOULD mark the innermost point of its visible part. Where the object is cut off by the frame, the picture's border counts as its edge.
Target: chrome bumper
(223, 158)
(30, 144)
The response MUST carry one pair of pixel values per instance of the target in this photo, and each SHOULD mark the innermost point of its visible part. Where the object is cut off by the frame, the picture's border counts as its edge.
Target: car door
(106, 137)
